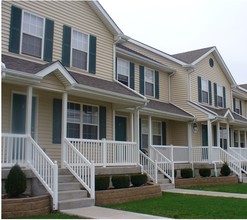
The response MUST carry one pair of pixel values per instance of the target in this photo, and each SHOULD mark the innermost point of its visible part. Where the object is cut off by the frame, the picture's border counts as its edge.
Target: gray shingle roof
(33, 68)
(167, 107)
(243, 86)
(191, 56)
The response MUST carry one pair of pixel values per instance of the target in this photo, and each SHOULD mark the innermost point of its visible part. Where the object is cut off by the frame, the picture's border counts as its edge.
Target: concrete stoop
(245, 179)
(164, 183)
(71, 194)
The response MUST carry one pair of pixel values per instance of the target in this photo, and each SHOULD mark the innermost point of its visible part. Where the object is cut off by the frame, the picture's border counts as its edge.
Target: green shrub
(16, 182)
(205, 172)
(120, 181)
(102, 182)
(187, 173)
(225, 170)
(138, 179)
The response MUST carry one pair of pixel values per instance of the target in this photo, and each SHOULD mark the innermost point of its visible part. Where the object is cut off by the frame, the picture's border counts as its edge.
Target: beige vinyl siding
(215, 75)
(179, 129)
(51, 81)
(76, 14)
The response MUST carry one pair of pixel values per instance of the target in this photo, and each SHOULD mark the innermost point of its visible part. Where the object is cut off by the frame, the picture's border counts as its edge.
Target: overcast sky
(175, 26)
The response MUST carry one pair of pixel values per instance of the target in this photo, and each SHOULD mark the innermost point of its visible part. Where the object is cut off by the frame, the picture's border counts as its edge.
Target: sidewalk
(96, 212)
(207, 193)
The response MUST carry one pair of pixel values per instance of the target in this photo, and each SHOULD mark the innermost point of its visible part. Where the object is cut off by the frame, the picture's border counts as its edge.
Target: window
(79, 47)
(123, 71)
(144, 133)
(220, 99)
(237, 106)
(82, 121)
(156, 132)
(205, 91)
(90, 122)
(32, 35)
(223, 138)
(149, 82)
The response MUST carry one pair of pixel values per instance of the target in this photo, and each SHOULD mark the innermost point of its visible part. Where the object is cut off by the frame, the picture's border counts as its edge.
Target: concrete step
(66, 179)
(167, 186)
(163, 181)
(63, 171)
(117, 170)
(72, 194)
(69, 186)
(75, 203)
(244, 179)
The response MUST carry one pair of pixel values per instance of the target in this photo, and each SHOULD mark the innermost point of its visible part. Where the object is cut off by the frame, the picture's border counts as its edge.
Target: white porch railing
(237, 153)
(200, 154)
(149, 167)
(80, 167)
(239, 150)
(164, 165)
(23, 150)
(107, 153)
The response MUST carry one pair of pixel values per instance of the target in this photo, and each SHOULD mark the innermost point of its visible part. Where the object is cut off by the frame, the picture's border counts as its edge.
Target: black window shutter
(210, 92)
(199, 83)
(234, 104)
(141, 71)
(102, 122)
(116, 69)
(163, 133)
(215, 95)
(92, 54)
(224, 96)
(157, 86)
(140, 133)
(132, 75)
(57, 121)
(240, 106)
(66, 45)
(48, 43)
(215, 135)
(15, 30)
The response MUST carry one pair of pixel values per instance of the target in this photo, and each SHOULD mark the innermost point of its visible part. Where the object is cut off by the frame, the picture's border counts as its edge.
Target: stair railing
(80, 167)
(44, 169)
(243, 160)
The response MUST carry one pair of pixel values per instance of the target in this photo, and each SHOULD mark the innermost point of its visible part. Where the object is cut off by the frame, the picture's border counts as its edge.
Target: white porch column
(218, 133)
(150, 137)
(137, 127)
(239, 138)
(64, 126)
(228, 135)
(189, 133)
(209, 141)
(132, 126)
(245, 145)
(29, 110)
(29, 120)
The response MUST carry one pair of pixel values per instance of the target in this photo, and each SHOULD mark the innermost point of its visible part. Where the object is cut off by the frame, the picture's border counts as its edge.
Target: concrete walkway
(207, 193)
(97, 212)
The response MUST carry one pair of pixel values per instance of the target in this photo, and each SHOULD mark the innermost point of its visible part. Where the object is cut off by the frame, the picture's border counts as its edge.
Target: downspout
(169, 86)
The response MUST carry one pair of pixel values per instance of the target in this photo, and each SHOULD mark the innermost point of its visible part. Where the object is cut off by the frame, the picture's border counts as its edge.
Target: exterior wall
(76, 14)
(215, 75)
(179, 129)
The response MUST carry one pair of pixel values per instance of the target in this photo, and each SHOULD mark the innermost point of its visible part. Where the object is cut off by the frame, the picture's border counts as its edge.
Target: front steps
(70, 192)
(164, 183)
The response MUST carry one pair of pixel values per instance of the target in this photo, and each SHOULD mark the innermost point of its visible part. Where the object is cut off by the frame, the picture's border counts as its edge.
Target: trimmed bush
(102, 182)
(138, 179)
(205, 172)
(120, 181)
(225, 170)
(187, 173)
(16, 182)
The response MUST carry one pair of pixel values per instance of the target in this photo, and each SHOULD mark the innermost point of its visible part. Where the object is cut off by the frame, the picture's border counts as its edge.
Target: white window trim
(220, 96)
(81, 118)
(161, 138)
(204, 90)
(237, 105)
(142, 133)
(43, 36)
(71, 49)
(128, 69)
(146, 68)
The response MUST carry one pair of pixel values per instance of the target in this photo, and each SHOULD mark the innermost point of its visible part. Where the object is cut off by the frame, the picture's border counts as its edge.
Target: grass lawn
(230, 188)
(189, 206)
(56, 215)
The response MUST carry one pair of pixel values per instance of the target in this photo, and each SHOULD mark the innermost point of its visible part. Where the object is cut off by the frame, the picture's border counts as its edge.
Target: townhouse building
(79, 94)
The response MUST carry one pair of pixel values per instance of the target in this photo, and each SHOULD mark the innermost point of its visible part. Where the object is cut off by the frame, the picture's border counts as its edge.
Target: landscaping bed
(21, 207)
(117, 196)
(205, 181)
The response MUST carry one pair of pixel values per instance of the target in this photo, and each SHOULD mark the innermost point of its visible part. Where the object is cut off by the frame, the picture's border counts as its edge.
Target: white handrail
(243, 160)
(80, 167)
(44, 169)
(164, 165)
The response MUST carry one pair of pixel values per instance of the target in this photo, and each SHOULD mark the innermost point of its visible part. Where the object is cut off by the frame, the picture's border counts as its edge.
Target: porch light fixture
(195, 128)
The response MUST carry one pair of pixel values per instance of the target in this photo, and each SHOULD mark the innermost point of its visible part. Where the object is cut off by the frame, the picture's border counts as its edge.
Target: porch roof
(34, 68)
(168, 110)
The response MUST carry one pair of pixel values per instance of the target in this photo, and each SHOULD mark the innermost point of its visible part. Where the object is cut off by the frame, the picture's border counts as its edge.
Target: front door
(120, 128)
(205, 142)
